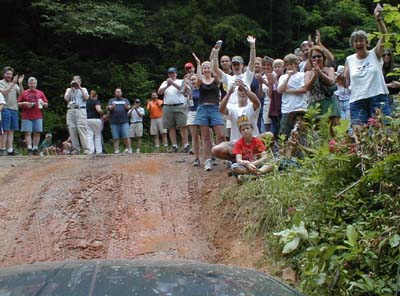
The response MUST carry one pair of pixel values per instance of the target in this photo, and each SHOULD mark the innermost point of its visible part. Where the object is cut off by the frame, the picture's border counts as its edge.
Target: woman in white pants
(95, 125)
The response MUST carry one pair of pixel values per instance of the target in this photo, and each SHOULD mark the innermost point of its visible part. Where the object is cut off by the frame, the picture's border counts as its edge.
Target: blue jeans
(362, 110)
(10, 119)
(208, 115)
(119, 131)
(344, 109)
(32, 125)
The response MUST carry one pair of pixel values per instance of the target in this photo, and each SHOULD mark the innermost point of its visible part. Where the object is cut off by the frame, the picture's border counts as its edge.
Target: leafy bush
(335, 218)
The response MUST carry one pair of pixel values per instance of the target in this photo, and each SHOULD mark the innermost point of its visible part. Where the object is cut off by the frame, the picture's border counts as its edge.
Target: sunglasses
(386, 55)
(317, 56)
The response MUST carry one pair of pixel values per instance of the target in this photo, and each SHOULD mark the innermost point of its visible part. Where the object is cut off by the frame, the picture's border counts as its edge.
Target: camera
(74, 83)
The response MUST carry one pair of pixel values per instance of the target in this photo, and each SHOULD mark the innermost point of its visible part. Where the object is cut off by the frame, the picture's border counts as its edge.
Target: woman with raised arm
(363, 73)
(321, 84)
(208, 114)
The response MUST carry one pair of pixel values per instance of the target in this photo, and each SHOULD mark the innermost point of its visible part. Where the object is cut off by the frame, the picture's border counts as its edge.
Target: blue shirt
(119, 114)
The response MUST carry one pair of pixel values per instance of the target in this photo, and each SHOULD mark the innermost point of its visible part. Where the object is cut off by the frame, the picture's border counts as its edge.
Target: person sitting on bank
(249, 151)
(47, 147)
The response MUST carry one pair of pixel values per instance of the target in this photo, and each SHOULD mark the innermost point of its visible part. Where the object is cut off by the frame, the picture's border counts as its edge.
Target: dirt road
(125, 206)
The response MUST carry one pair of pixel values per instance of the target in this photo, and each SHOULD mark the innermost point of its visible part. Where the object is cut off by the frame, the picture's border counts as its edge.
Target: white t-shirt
(172, 95)
(234, 112)
(135, 116)
(228, 80)
(292, 102)
(76, 96)
(366, 77)
(12, 96)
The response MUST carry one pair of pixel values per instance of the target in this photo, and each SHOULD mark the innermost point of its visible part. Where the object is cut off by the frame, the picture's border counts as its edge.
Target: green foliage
(97, 19)
(336, 217)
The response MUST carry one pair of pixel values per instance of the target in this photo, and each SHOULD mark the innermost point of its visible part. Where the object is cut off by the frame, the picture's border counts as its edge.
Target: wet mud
(126, 206)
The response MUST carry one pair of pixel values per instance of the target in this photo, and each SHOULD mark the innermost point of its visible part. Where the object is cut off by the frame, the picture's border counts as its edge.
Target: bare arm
(224, 102)
(329, 55)
(217, 72)
(98, 109)
(283, 86)
(162, 88)
(253, 98)
(252, 60)
(382, 29)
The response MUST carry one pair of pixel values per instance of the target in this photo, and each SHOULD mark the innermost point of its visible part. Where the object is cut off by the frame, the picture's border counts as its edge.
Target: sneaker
(137, 150)
(12, 153)
(186, 149)
(30, 152)
(128, 151)
(208, 165)
(175, 149)
(196, 162)
(116, 151)
(214, 161)
(3, 152)
(35, 152)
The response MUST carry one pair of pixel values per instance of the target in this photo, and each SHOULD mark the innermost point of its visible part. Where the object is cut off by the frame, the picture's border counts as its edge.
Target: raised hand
(251, 39)
(378, 11)
(21, 78)
(196, 58)
(317, 37)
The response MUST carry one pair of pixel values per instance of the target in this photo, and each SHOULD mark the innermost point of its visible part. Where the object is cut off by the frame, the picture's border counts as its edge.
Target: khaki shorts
(136, 130)
(174, 116)
(156, 127)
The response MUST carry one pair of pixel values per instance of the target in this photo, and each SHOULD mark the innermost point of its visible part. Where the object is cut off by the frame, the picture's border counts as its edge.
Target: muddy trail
(148, 206)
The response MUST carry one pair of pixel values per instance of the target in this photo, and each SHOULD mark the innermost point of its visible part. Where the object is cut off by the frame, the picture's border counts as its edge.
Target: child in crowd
(47, 147)
(249, 151)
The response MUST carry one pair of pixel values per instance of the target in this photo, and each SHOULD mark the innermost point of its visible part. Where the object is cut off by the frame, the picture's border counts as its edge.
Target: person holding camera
(32, 102)
(10, 87)
(76, 97)
(136, 128)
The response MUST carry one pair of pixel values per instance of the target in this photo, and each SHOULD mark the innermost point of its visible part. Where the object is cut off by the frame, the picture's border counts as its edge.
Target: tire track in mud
(89, 221)
(145, 207)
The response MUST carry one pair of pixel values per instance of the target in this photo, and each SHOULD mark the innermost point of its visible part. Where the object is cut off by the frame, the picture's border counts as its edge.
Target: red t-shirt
(32, 96)
(248, 150)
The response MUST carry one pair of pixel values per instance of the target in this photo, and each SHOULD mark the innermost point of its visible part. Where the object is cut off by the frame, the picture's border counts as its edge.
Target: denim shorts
(362, 110)
(120, 131)
(32, 125)
(208, 115)
(10, 119)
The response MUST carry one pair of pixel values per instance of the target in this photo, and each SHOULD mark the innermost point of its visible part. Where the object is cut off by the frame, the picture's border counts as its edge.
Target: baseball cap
(137, 101)
(172, 70)
(237, 59)
(189, 65)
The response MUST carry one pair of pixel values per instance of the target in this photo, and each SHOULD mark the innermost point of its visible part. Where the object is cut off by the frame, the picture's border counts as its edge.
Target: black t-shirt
(91, 109)
(209, 93)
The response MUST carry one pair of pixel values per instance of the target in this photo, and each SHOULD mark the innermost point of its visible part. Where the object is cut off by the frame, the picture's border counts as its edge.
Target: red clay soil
(147, 206)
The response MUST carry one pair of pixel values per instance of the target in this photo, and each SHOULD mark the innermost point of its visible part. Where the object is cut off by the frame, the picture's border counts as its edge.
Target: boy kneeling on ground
(250, 152)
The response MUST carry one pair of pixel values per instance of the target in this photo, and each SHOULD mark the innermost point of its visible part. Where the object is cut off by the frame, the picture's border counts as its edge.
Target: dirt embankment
(127, 206)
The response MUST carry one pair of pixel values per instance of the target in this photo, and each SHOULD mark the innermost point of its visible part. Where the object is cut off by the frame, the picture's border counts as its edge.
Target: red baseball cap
(189, 65)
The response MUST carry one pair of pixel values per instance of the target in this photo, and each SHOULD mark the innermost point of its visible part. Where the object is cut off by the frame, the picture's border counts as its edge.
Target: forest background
(130, 44)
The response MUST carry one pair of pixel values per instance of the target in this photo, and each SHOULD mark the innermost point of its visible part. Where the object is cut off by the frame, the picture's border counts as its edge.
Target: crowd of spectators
(224, 105)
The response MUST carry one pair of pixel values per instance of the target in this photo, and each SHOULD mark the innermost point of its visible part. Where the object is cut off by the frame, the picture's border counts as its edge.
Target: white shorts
(266, 118)
(156, 127)
(190, 118)
(136, 130)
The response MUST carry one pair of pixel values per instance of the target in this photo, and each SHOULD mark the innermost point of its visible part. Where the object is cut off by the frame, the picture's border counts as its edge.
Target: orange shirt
(155, 108)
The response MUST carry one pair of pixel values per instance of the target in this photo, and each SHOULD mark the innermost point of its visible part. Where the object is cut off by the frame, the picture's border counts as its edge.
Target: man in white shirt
(76, 97)
(174, 110)
(248, 105)
(136, 128)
